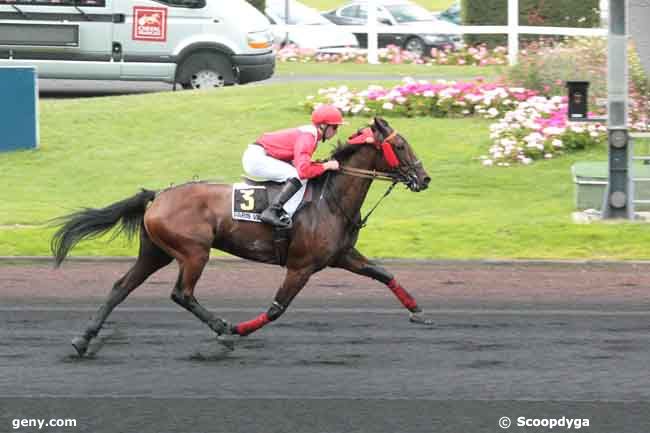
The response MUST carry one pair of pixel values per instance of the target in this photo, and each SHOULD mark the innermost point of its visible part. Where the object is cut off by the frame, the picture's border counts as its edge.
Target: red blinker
(365, 136)
(389, 154)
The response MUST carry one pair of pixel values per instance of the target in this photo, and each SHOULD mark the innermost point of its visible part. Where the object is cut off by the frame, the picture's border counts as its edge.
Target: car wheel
(205, 70)
(415, 46)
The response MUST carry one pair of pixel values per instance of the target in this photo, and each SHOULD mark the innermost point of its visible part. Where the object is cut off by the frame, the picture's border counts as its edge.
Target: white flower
(553, 130)
(400, 99)
(557, 143)
(387, 106)
(493, 112)
(578, 129)
(548, 156)
(533, 137)
(488, 162)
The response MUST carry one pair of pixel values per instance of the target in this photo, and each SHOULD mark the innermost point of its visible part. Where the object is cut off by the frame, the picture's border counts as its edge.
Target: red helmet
(328, 115)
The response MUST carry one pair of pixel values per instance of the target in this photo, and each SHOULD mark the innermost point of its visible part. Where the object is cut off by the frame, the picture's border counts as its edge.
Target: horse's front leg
(294, 281)
(354, 261)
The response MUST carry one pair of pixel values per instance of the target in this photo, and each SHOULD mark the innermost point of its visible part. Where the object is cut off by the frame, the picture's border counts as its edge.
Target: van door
(151, 31)
(62, 38)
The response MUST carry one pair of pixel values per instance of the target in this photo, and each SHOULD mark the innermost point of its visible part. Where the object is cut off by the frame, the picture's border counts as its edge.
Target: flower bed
(538, 128)
(471, 56)
(529, 126)
(424, 98)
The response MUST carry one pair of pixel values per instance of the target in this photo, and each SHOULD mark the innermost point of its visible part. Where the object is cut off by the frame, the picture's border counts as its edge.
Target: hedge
(558, 13)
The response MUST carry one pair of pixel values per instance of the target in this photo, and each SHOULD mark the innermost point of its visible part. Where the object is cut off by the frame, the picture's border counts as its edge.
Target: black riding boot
(275, 214)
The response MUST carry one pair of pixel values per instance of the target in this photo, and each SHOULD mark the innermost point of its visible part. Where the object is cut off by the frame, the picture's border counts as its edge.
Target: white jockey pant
(258, 164)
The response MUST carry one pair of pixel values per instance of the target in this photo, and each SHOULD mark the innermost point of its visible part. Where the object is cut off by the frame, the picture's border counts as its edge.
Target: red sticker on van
(149, 24)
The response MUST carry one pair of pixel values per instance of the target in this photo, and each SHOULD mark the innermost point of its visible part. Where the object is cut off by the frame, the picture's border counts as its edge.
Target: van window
(84, 3)
(190, 4)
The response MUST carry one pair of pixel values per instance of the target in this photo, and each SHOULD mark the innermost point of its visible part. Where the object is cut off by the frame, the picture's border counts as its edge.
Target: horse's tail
(90, 223)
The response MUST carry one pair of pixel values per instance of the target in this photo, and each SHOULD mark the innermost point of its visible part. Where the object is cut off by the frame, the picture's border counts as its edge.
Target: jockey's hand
(331, 165)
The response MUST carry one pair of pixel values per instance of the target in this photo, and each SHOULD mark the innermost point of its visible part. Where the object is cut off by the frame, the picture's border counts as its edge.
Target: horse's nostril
(427, 179)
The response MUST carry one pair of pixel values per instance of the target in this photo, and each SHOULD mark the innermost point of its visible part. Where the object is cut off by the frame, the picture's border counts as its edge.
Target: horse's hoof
(420, 320)
(219, 326)
(81, 345)
(228, 341)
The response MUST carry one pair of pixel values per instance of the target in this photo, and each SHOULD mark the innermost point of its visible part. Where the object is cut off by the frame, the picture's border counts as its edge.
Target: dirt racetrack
(505, 334)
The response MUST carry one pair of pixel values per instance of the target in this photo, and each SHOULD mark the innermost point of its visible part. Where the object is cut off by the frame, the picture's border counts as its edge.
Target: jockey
(285, 155)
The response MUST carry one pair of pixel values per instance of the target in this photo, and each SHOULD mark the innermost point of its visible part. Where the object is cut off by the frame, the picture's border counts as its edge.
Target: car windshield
(298, 13)
(408, 13)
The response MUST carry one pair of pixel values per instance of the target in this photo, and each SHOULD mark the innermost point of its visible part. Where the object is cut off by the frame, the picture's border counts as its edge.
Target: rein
(368, 174)
(364, 220)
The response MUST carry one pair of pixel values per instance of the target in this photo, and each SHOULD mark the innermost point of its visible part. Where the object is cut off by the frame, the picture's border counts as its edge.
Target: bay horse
(185, 222)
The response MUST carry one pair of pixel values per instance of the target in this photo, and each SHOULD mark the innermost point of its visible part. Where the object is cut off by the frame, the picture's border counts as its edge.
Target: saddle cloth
(250, 198)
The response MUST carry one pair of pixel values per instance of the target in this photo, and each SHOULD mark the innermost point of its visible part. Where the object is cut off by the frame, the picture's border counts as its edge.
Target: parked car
(451, 14)
(425, 32)
(318, 37)
(197, 43)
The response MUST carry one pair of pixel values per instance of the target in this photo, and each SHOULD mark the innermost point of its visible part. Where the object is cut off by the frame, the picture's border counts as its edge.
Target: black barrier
(578, 99)
(18, 108)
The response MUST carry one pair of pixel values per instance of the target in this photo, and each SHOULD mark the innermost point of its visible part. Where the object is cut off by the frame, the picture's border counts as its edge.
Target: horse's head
(398, 157)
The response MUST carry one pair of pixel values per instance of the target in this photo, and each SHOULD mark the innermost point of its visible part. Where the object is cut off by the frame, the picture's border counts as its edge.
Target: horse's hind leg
(191, 268)
(150, 259)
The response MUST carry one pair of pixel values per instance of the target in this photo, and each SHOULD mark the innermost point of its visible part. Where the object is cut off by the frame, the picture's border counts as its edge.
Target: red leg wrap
(404, 297)
(246, 328)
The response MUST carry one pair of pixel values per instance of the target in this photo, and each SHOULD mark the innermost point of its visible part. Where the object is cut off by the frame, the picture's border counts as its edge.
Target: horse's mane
(343, 151)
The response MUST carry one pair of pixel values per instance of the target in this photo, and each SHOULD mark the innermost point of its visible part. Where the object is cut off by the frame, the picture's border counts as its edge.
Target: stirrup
(277, 218)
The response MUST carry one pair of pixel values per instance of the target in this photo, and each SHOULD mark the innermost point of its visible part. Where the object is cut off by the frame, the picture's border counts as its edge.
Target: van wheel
(205, 70)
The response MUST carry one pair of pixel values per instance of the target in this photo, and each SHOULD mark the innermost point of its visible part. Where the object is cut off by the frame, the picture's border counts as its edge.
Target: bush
(260, 5)
(559, 13)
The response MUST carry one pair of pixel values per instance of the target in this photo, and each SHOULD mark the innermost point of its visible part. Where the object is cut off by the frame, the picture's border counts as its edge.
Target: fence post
(618, 201)
(373, 58)
(513, 31)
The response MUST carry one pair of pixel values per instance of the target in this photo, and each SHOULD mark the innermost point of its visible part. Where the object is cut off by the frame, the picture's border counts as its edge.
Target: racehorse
(185, 222)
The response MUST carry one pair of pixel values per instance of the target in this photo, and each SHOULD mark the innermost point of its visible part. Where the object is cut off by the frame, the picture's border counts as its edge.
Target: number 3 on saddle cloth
(250, 198)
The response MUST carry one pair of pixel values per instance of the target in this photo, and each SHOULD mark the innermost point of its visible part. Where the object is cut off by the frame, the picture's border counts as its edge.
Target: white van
(196, 43)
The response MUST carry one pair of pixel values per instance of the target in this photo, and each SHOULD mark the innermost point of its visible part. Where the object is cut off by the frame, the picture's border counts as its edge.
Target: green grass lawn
(100, 150)
(422, 71)
(326, 5)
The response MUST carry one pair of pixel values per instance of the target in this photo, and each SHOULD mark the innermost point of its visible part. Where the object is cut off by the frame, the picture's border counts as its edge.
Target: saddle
(251, 197)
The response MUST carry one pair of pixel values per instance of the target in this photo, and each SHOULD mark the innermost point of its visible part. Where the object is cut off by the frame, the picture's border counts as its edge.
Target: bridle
(386, 146)
(402, 175)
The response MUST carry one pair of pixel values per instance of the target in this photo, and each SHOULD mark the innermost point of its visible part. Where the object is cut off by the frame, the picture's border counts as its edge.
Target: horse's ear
(381, 125)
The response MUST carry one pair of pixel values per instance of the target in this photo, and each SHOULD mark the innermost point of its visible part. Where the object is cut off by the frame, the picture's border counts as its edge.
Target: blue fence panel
(18, 108)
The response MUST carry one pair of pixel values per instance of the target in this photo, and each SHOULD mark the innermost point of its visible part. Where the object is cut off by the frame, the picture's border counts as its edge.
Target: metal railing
(513, 30)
